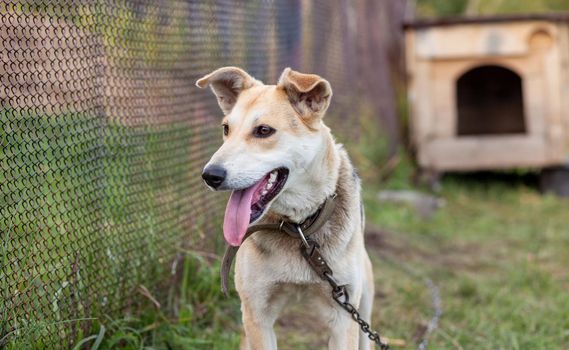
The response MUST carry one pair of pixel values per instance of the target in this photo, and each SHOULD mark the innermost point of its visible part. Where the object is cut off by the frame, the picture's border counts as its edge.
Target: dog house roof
(449, 21)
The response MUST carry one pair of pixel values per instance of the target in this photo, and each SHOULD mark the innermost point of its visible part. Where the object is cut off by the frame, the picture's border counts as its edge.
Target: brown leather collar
(309, 226)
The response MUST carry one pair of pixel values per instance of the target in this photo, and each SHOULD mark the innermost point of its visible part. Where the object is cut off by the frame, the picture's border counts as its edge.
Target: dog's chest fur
(276, 256)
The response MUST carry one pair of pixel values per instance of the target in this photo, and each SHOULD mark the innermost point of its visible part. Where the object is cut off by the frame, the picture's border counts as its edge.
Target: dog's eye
(263, 131)
(225, 129)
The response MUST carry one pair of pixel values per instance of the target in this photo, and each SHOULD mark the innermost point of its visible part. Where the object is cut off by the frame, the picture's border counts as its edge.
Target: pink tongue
(238, 214)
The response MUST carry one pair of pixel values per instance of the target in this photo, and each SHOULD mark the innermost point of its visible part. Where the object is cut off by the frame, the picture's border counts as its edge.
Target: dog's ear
(309, 94)
(227, 83)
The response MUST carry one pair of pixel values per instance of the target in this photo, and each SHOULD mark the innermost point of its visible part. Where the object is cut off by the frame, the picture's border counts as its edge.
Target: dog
(281, 162)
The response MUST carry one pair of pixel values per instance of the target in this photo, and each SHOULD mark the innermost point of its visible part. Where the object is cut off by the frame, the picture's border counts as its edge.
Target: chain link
(340, 295)
(310, 252)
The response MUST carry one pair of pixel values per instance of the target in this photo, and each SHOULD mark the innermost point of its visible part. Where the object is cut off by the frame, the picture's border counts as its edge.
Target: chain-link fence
(103, 137)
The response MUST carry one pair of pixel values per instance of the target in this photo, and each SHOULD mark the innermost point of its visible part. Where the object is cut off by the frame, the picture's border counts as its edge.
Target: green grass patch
(93, 211)
(198, 316)
(497, 251)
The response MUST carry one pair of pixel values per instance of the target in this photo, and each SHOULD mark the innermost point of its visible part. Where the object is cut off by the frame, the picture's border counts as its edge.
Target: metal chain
(339, 293)
(438, 312)
(310, 252)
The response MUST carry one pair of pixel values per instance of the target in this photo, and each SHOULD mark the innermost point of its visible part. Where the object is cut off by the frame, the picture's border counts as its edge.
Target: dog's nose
(214, 175)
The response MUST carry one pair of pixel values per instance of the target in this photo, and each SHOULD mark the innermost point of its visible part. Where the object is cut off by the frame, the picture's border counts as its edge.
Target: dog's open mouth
(248, 204)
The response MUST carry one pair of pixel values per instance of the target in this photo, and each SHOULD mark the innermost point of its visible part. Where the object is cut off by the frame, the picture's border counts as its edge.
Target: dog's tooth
(269, 185)
(264, 192)
(273, 176)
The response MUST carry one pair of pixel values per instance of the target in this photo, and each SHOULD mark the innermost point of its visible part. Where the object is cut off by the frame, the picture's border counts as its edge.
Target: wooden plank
(488, 152)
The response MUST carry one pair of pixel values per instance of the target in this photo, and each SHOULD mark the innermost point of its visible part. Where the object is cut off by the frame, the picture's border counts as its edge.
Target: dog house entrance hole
(490, 101)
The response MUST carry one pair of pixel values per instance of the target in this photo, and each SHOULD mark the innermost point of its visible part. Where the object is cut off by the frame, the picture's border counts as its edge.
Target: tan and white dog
(281, 162)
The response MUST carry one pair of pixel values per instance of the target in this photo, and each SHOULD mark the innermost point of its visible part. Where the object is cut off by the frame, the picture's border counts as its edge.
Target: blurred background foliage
(436, 8)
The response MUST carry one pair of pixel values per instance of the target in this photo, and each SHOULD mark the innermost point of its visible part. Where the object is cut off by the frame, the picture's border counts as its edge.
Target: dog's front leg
(258, 323)
(344, 333)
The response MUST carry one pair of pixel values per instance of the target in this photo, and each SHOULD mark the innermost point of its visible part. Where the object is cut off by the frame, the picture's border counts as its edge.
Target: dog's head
(271, 135)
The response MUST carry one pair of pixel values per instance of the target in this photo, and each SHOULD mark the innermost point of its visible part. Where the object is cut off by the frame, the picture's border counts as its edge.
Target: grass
(434, 8)
(497, 251)
(198, 316)
(204, 318)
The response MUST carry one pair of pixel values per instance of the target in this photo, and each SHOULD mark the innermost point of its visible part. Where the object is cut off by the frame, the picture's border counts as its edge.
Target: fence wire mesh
(103, 137)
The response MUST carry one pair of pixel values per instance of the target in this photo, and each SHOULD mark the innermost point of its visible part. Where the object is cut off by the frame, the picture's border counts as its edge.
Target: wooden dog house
(489, 93)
